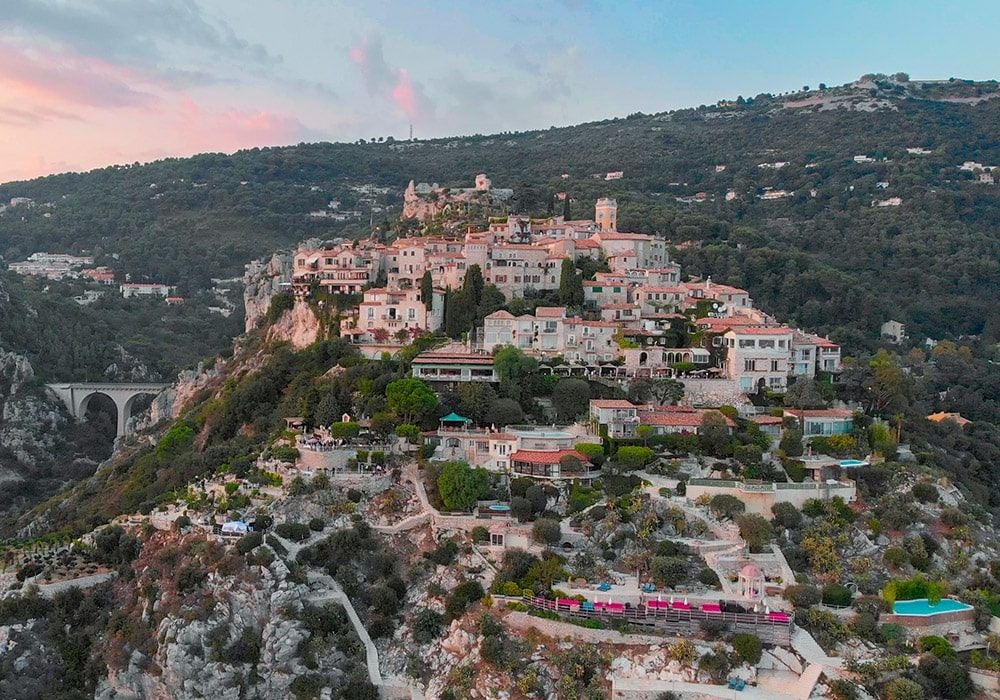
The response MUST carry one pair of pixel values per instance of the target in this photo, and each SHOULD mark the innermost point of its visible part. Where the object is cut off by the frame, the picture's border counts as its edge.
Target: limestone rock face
(299, 326)
(262, 280)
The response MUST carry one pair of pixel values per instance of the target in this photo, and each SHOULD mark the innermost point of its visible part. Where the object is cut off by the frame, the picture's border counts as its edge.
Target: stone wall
(939, 624)
(759, 498)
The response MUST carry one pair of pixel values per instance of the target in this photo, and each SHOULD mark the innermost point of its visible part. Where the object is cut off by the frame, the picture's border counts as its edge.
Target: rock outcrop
(261, 281)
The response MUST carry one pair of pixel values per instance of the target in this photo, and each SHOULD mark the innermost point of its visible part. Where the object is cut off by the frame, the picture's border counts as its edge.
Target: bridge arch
(77, 396)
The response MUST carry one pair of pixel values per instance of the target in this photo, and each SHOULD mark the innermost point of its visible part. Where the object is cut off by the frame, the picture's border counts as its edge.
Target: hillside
(831, 261)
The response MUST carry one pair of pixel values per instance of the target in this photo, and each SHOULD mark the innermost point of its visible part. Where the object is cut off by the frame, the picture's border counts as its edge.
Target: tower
(606, 214)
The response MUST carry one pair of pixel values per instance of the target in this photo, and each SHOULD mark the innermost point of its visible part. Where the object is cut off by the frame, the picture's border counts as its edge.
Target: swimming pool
(923, 607)
(852, 463)
(499, 508)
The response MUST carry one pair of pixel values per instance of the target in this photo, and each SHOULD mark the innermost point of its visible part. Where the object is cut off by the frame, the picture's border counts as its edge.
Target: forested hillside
(826, 259)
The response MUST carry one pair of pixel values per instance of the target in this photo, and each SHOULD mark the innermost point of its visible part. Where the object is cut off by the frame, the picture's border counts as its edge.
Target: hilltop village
(620, 309)
(483, 455)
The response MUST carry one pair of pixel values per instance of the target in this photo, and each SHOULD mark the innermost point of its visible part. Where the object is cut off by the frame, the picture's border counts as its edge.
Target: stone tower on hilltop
(606, 214)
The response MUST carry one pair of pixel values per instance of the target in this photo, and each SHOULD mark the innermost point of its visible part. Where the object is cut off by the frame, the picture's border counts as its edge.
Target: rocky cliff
(262, 280)
(41, 447)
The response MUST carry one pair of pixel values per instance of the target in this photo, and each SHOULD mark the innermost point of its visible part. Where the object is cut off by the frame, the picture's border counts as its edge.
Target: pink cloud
(389, 82)
(201, 128)
(67, 79)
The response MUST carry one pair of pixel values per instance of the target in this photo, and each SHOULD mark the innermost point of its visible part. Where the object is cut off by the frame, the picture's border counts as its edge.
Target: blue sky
(85, 83)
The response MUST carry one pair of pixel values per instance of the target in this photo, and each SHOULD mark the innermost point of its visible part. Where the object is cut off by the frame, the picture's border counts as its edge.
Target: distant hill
(822, 256)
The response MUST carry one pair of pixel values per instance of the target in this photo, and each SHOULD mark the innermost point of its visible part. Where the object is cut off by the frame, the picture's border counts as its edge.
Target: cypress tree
(427, 290)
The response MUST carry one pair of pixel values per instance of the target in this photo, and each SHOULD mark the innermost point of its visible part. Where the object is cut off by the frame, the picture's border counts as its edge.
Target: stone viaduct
(77, 395)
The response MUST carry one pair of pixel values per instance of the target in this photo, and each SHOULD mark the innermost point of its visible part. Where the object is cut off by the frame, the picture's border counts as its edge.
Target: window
(774, 365)
(371, 313)
(412, 314)
(744, 343)
(782, 344)
(717, 341)
(749, 366)
(767, 343)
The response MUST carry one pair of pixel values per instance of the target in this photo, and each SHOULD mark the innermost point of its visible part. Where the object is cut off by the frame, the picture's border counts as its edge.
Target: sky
(89, 83)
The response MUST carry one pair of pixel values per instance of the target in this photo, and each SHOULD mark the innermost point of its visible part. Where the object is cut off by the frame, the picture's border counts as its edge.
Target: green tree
(473, 286)
(633, 457)
(726, 506)
(713, 434)
(461, 486)
(669, 571)
(791, 441)
(570, 398)
(667, 391)
(786, 515)
(546, 531)
(427, 290)
(504, 412)
(804, 393)
(475, 400)
(755, 530)
(748, 648)
(410, 399)
(570, 284)
(515, 371)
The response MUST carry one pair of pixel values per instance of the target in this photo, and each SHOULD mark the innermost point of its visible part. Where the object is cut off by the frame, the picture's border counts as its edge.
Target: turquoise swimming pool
(922, 606)
(852, 463)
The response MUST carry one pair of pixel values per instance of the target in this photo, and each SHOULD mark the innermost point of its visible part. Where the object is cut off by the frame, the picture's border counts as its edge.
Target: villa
(827, 421)
(536, 451)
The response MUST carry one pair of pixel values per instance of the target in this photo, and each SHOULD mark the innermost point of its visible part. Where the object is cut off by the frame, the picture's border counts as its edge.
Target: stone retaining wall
(940, 624)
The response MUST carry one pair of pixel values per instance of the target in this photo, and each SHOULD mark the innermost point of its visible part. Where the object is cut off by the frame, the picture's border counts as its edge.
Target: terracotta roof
(678, 417)
(501, 314)
(762, 330)
(453, 358)
(550, 311)
(533, 457)
(611, 403)
(942, 416)
(767, 420)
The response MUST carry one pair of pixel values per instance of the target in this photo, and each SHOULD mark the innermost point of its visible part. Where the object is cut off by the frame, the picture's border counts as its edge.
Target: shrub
(296, 532)
(896, 556)
(903, 689)
(182, 522)
(925, 492)
(786, 515)
(748, 648)
(249, 542)
(668, 571)
(802, 595)
(308, 686)
(633, 457)
(480, 534)
(547, 531)
(317, 524)
(708, 577)
(726, 506)
(280, 303)
(521, 508)
(285, 453)
(939, 646)
(190, 577)
(836, 595)
(464, 595)
(444, 554)
(843, 690)
(408, 431)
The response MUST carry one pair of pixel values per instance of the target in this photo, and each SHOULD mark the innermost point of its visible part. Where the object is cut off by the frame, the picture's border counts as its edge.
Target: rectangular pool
(923, 607)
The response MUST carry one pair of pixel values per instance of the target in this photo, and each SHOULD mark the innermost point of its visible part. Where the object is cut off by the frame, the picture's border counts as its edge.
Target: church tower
(606, 214)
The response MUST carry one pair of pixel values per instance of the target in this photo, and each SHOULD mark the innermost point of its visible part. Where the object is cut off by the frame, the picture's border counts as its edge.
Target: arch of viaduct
(77, 396)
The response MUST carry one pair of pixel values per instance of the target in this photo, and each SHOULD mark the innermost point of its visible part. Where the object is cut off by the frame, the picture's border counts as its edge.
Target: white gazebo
(751, 582)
